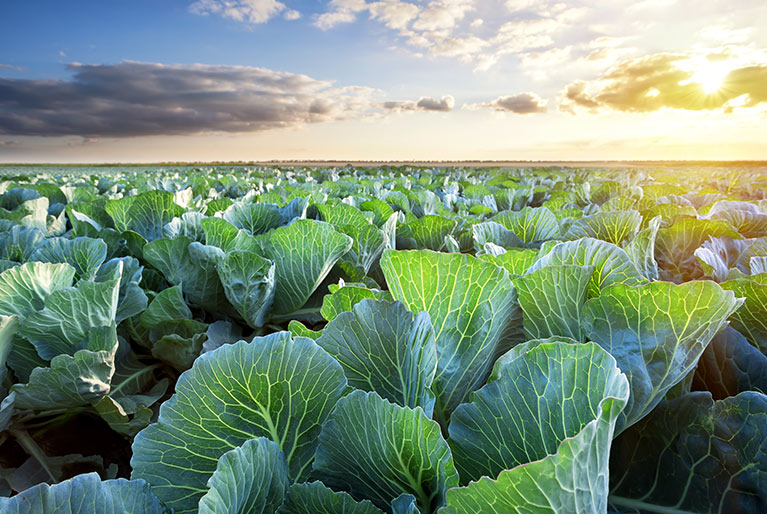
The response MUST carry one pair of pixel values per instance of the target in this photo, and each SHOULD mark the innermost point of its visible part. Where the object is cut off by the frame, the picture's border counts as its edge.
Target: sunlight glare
(710, 76)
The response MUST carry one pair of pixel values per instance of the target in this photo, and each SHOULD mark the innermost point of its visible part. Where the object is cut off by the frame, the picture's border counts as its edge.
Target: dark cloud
(664, 81)
(520, 103)
(444, 104)
(140, 99)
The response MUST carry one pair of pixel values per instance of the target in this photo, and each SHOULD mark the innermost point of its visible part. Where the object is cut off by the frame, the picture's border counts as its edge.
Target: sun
(710, 76)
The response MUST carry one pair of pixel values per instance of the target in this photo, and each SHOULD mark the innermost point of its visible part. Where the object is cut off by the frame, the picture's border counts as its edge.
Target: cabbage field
(358, 340)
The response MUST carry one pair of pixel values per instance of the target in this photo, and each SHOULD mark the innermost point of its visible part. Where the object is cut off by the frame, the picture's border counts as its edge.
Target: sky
(254, 80)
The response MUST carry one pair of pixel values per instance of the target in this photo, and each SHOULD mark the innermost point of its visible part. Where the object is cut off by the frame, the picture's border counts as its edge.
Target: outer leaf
(255, 218)
(168, 305)
(745, 217)
(204, 288)
(730, 365)
(493, 232)
(342, 214)
(147, 214)
(380, 209)
(758, 265)
(378, 450)
(192, 266)
(298, 329)
(189, 225)
(315, 498)
(693, 454)
(220, 333)
(552, 300)
(369, 243)
(178, 342)
(303, 253)
(611, 264)
(346, 297)
(249, 284)
(70, 314)
(252, 478)
(24, 358)
(429, 231)
(8, 327)
(85, 494)
(82, 253)
(566, 419)
(384, 348)
(19, 243)
(71, 381)
(224, 235)
(751, 318)
(469, 302)
(272, 387)
(119, 420)
(133, 390)
(517, 262)
(641, 250)
(23, 289)
(541, 393)
(131, 299)
(613, 226)
(531, 224)
(656, 332)
(32, 213)
(6, 411)
(675, 246)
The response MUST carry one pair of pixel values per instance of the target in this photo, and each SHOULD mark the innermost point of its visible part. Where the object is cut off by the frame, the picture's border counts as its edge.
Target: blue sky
(391, 79)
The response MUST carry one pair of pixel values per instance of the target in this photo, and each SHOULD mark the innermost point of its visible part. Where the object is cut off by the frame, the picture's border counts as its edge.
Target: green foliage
(358, 340)
(378, 450)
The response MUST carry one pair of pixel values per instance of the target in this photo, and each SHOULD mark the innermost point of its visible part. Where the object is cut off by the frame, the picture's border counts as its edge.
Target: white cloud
(329, 20)
(517, 36)
(567, 35)
(521, 5)
(459, 47)
(343, 11)
(520, 103)
(442, 14)
(723, 34)
(291, 15)
(393, 13)
(246, 11)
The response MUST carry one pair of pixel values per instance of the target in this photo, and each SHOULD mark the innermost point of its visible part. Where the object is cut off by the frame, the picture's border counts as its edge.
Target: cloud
(247, 11)
(442, 14)
(291, 15)
(675, 81)
(425, 103)
(521, 5)
(393, 13)
(138, 99)
(12, 67)
(517, 36)
(459, 47)
(343, 11)
(520, 103)
(441, 28)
